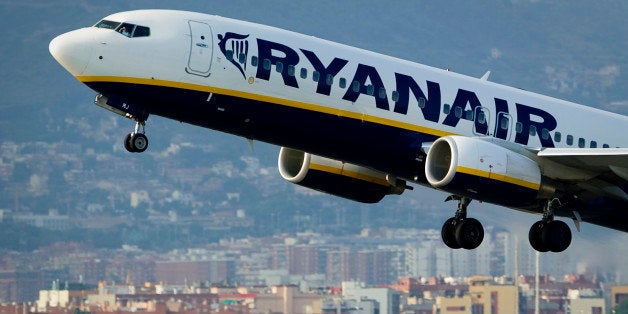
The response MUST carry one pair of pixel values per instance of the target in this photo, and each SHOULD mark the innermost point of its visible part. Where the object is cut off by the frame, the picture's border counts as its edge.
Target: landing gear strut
(136, 141)
(548, 234)
(460, 231)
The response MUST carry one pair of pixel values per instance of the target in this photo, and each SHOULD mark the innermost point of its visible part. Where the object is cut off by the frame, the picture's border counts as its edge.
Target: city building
(619, 294)
(287, 299)
(483, 296)
(182, 272)
(388, 299)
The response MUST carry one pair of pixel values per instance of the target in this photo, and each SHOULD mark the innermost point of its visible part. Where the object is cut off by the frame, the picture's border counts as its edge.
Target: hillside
(59, 152)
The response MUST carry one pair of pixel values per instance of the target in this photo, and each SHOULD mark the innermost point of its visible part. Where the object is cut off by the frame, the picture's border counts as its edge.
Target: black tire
(448, 233)
(557, 236)
(469, 233)
(127, 143)
(139, 142)
(535, 236)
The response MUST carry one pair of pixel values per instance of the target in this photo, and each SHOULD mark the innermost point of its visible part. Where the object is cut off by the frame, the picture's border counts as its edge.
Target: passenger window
(421, 101)
(370, 90)
(303, 73)
(355, 86)
(229, 55)
(329, 79)
(382, 93)
(291, 70)
(279, 66)
(395, 96)
(254, 61)
(242, 58)
(446, 108)
(503, 124)
(532, 130)
(266, 64)
(141, 31)
(545, 134)
(458, 112)
(557, 137)
(581, 142)
(593, 144)
(482, 117)
(468, 115)
(569, 140)
(342, 82)
(519, 127)
(316, 76)
(606, 146)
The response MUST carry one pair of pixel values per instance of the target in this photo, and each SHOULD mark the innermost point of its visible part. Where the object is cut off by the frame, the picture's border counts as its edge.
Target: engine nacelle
(484, 171)
(335, 177)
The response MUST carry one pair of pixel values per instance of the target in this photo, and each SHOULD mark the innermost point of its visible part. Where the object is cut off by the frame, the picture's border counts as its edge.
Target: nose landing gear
(136, 141)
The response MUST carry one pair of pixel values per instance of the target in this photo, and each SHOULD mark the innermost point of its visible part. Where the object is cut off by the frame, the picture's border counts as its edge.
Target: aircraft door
(201, 52)
(480, 125)
(503, 125)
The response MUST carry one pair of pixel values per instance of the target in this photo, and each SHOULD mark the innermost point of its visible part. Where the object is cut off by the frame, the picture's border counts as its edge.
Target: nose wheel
(136, 141)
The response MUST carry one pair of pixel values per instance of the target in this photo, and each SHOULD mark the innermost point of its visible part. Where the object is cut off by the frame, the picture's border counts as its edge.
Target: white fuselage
(334, 100)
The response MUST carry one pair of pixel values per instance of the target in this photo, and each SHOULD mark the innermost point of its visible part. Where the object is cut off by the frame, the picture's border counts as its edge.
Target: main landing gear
(548, 234)
(467, 233)
(460, 231)
(136, 141)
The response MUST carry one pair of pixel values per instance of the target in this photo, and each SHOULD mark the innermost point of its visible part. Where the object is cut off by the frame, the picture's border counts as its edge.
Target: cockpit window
(107, 24)
(141, 31)
(126, 29)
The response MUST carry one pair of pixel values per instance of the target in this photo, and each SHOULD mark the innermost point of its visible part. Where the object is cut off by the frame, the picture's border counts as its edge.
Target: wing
(593, 174)
(596, 161)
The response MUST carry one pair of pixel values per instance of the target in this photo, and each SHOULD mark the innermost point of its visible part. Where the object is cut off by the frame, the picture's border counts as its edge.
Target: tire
(127, 143)
(469, 233)
(557, 236)
(535, 236)
(139, 142)
(448, 234)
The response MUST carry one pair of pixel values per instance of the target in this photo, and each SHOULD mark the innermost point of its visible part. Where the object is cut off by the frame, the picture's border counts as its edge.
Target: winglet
(485, 76)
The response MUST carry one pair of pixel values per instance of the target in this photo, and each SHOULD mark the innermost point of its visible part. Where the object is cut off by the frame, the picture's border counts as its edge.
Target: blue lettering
(265, 50)
(501, 107)
(457, 112)
(332, 69)
(359, 86)
(431, 103)
(542, 128)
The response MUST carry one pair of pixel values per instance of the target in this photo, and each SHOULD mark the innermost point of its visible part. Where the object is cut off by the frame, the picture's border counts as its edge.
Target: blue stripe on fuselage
(389, 149)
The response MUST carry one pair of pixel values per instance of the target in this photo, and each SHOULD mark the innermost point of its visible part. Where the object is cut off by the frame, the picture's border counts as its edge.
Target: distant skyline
(573, 50)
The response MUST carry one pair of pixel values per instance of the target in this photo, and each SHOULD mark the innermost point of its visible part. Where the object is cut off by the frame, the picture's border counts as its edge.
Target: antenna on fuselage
(485, 76)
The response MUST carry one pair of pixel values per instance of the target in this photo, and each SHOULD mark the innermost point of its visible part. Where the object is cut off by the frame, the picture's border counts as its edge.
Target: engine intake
(331, 176)
(482, 170)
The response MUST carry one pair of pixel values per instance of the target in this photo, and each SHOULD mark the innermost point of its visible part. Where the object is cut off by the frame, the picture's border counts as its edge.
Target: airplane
(358, 124)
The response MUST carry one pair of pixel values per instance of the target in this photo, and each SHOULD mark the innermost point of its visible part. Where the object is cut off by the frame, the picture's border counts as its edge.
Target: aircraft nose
(72, 50)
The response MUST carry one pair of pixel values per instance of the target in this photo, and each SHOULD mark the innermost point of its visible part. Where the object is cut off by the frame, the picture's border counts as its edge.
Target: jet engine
(484, 170)
(331, 176)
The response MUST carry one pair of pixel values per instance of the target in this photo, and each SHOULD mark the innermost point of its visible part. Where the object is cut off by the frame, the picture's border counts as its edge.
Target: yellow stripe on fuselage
(348, 173)
(498, 177)
(264, 98)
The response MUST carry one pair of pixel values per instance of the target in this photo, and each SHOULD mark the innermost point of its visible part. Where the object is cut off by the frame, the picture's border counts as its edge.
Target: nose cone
(72, 50)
